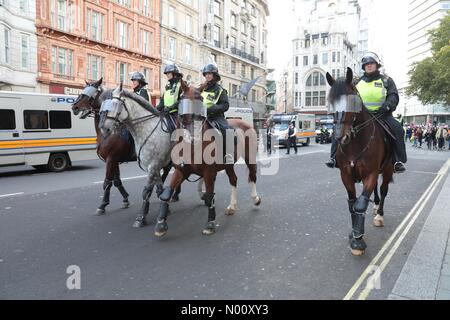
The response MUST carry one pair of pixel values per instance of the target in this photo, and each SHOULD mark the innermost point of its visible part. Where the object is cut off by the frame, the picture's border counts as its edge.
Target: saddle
(126, 135)
(170, 122)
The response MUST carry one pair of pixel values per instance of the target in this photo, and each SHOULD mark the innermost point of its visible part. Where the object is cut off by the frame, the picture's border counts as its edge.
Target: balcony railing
(245, 55)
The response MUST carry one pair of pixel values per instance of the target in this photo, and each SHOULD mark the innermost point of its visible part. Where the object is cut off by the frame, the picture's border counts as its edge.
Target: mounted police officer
(215, 99)
(171, 98)
(379, 94)
(139, 84)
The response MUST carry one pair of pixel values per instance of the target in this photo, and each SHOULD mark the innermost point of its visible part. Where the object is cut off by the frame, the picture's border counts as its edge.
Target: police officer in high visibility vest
(379, 94)
(171, 98)
(139, 84)
(215, 99)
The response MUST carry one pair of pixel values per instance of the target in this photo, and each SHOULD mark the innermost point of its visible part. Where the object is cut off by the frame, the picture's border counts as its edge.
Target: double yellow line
(402, 230)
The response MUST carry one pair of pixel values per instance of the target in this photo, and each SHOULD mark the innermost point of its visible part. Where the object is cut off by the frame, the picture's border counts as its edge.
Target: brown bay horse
(196, 128)
(114, 149)
(361, 156)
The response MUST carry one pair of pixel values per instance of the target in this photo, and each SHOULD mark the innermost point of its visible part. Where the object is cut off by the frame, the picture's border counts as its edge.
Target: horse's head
(191, 110)
(113, 113)
(85, 100)
(346, 104)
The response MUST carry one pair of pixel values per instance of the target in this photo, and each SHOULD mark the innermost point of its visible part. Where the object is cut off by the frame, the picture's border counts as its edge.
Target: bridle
(93, 93)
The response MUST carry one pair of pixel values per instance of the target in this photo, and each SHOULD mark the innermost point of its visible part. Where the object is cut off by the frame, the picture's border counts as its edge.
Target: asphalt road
(294, 246)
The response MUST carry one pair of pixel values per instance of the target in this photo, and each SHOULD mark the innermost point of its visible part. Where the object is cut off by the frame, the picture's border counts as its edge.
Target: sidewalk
(426, 273)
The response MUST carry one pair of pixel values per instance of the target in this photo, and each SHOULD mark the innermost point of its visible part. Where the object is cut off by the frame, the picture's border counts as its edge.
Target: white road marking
(11, 194)
(124, 179)
(411, 217)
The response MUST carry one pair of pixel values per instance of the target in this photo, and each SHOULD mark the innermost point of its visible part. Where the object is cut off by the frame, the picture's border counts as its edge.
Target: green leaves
(430, 78)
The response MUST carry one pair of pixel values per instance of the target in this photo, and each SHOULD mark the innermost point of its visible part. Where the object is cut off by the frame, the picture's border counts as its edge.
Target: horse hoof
(230, 211)
(100, 212)
(258, 201)
(175, 199)
(375, 209)
(378, 221)
(208, 231)
(139, 224)
(358, 253)
(210, 228)
(125, 205)
(161, 229)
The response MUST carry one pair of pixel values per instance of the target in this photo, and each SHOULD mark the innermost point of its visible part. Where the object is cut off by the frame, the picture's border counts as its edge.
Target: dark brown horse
(197, 128)
(361, 155)
(114, 149)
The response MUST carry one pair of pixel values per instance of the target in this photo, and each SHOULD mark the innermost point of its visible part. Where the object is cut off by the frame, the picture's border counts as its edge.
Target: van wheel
(308, 141)
(58, 162)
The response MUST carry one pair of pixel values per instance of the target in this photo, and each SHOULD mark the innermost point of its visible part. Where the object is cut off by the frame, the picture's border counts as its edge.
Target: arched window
(315, 90)
(316, 79)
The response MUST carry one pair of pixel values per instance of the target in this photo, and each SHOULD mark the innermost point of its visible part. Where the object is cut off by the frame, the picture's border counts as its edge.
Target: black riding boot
(332, 162)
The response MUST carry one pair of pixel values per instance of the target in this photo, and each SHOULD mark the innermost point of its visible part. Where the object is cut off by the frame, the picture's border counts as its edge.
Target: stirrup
(229, 159)
(399, 167)
(331, 163)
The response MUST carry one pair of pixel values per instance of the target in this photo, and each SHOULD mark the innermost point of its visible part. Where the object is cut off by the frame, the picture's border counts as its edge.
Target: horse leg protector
(118, 184)
(107, 184)
(166, 194)
(209, 200)
(361, 204)
(358, 225)
(147, 192)
(163, 211)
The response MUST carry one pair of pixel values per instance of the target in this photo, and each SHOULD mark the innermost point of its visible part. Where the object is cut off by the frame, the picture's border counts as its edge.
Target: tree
(430, 78)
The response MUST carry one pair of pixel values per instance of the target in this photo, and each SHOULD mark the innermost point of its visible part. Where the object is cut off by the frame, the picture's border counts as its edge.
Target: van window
(35, 119)
(7, 119)
(60, 120)
(307, 125)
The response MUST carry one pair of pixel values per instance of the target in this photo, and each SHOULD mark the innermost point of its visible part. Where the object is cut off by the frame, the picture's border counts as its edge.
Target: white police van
(40, 130)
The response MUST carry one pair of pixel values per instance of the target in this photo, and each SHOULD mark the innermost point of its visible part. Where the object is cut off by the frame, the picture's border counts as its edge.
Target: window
(325, 58)
(315, 59)
(296, 78)
(7, 119)
(325, 40)
(35, 119)
(243, 71)
(254, 98)
(148, 75)
(323, 98)
(62, 14)
(95, 67)
(123, 34)
(233, 67)
(172, 48)
(145, 40)
(234, 20)
(296, 61)
(216, 36)
(252, 51)
(62, 61)
(296, 99)
(60, 120)
(243, 26)
(233, 42)
(307, 43)
(234, 90)
(315, 99)
(23, 6)
(172, 19)
(334, 57)
(7, 45)
(253, 31)
(188, 25)
(305, 60)
(188, 53)
(252, 73)
(94, 25)
(124, 2)
(213, 58)
(315, 79)
(338, 57)
(122, 72)
(146, 7)
(308, 99)
(216, 8)
(243, 46)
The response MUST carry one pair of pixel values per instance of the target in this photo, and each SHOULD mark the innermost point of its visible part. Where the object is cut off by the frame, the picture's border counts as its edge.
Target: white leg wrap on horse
(233, 201)
(200, 187)
(254, 193)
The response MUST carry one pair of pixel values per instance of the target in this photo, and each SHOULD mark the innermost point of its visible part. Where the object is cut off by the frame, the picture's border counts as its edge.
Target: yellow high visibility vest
(171, 97)
(373, 94)
(210, 99)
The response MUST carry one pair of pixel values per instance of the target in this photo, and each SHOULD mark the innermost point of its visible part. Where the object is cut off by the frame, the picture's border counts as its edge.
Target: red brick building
(82, 40)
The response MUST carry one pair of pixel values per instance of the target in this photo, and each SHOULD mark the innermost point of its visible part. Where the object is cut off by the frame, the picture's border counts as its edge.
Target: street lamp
(285, 92)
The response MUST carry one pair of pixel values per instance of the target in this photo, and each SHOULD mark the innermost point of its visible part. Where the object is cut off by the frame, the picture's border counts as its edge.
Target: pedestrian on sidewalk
(420, 137)
(291, 138)
(428, 140)
(269, 136)
(442, 135)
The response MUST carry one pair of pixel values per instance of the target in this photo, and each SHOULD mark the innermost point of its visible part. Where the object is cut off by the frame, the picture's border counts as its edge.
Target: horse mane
(141, 101)
(339, 88)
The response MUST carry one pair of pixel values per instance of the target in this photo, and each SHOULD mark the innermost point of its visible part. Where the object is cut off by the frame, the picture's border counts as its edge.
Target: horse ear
(330, 79)
(99, 82)
(349, 77)
(87, 83)
(121, 86)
